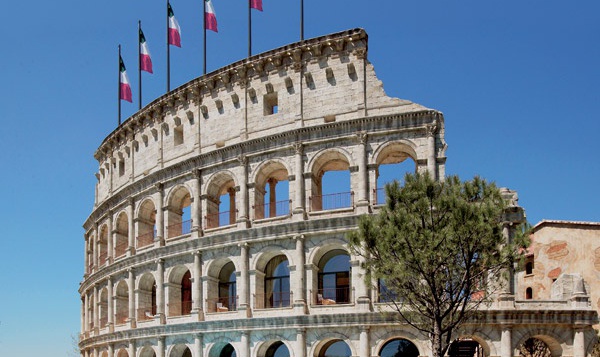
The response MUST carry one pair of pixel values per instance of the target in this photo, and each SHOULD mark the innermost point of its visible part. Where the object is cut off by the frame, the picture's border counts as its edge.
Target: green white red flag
(256, 4)
(145, 60)
(210, 17)
(124, 86)
(174, 30)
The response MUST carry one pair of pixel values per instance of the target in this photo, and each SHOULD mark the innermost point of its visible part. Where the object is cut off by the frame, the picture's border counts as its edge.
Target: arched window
(103, 308)
(180, 292)
(186, 293)
(227, 289)
(146, 298)
(336, 348)
(331, 187)
(122, 353)
(121, 303)
(528, 294)
(529, 268)
(534, 347)
(271, 192)
(221, 202)
(103, 246)
(399, 348)
(277, 349)
(146, 224)
(122, 235)
(277, 283)
(228, 351)
(179, 213)
(334, 278)
(465, 348)
(393, 163)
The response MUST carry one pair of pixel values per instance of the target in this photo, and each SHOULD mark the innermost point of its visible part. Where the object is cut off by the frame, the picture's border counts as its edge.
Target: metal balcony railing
(220, 219)
(146, 313)
(273, 300)
(146, 239)
(379, 196)
(333, 296)
(222, 304)
(268, 210)
(180, 308)
(121, 249)
(331, 201)
(180, 228)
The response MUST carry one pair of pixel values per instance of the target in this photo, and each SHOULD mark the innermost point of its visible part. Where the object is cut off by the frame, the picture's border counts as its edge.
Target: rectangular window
(271, 105)
(178, 135)
(121, 167)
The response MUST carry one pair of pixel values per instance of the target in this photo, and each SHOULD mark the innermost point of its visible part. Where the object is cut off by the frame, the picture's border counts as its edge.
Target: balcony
(333, 296)
(331, 201)
(274, 300)
(220, 219)
(272, 210)
(146, 239)
(179, 229)
(222, 304)
(146, 313)
(182, 308)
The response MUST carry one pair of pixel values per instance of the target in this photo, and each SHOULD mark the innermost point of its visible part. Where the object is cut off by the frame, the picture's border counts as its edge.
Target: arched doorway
(399, 347)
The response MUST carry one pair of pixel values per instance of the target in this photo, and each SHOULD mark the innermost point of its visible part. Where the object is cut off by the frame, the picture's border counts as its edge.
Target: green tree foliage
(437, 246)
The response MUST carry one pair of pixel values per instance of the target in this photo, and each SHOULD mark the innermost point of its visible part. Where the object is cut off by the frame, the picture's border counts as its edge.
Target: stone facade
(213, 233)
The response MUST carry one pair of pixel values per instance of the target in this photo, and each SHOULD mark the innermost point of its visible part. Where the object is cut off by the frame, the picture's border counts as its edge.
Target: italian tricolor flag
(145, 60)
(210, 18)
(256, 4)
(124, 86)
(174, 30)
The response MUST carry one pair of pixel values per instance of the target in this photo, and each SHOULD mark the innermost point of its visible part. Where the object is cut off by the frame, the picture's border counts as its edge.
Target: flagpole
(168, 53)
(139, 66)
(249, 28)
(204, 26)
(119, 86)
(301, 20)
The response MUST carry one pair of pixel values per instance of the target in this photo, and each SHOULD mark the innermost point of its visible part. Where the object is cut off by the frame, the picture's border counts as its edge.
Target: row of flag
(174, 39)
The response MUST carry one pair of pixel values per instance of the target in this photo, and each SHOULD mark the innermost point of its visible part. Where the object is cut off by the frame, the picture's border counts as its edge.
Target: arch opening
(122, 235)
(146, 224)
(330, 184)
(146, 298)
(221, 202)
(334, 278)
(534, 347)
(335, 348)
(399, 347)
(179, 221)
(271, 192)
(393, 163)
(121, 303)
(276, 285)
(465, 348)
(180, 292)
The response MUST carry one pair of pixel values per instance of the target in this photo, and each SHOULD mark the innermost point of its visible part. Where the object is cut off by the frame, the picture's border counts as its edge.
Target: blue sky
(517, 82)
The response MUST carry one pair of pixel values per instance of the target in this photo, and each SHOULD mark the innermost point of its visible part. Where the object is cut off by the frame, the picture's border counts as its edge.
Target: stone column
(198, 341)
(131, 293)
(363, 175)
(86, 314)
(299, 201)
(196, 209)
(96, 319)
(110, 256)
(86, 258)
(300, 276)
(94, 252)
(110, 310)
(82, 316)
(364, 350)
(111, 350)
(300, 342)
(361, 289)
(431, 154)
(579, 342)
(245, 344)
(272, 198)
(243, 217)
(160, 290)
(161, 346)
(131, 228)
(506, 349)
(159, 240)
(244, 286)
(232, 206)
(131, 349)
(197, 285)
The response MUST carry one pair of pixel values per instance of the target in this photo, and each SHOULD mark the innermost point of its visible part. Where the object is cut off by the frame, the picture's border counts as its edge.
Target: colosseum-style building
(221, 210)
